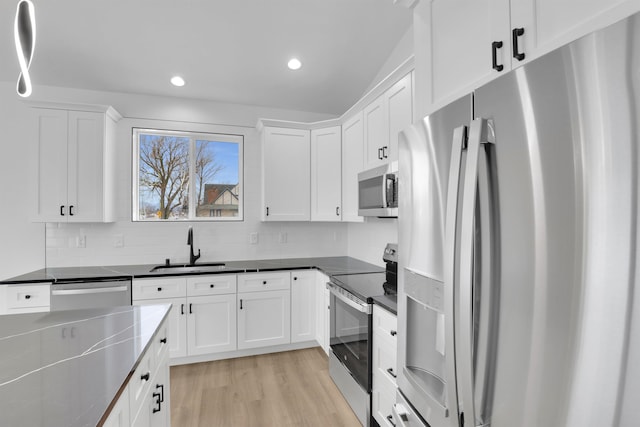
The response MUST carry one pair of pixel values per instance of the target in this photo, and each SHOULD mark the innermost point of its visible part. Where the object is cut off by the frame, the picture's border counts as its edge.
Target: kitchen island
(70, 368)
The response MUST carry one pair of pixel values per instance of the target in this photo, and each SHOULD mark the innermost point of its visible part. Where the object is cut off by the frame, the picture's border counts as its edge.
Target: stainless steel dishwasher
(71, 295)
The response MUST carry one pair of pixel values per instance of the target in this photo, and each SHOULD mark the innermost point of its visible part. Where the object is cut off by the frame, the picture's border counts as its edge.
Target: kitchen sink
(186, 268)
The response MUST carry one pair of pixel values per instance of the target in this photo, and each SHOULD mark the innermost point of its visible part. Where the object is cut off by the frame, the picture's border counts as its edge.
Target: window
(187, 176)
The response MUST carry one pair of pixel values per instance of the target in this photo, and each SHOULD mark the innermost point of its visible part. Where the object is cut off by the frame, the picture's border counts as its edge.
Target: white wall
(21, 242)
(367, 240)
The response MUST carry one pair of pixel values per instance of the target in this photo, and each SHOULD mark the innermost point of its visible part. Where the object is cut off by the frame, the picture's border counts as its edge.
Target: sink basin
(185, 268)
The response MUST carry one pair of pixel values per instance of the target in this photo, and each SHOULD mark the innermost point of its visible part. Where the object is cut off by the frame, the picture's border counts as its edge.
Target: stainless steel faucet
(192, 257)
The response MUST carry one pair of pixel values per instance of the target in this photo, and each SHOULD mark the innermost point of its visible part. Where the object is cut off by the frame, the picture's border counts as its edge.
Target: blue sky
(227, 154)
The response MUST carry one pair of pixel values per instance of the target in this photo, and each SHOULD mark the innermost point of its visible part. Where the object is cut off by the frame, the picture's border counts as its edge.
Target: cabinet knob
(27, 297)
(212, 286)
(295, 278)
(516, 34)
(145, 377)
(163, 341)
(393, 333)
(159, 289)
(264, 282)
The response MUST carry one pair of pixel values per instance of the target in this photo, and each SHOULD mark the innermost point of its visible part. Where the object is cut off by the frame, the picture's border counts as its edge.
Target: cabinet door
(264, 319)
(376, 132)
(303, 305)
(399, 100)
(177, 323)
(160, 402)
(119, 416)
(50, 165)
(322, 310)
(326, 174)
(211, 324)
(453, 48)
(352, 164)
(286, 155)
(549, 24)
(86, 166)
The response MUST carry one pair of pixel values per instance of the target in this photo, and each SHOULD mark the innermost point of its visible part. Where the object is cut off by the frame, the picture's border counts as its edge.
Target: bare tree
(207, 167)
(164, 170)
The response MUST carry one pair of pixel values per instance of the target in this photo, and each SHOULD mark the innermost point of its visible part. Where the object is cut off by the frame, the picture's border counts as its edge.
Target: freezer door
(425, 305)
(542, 337)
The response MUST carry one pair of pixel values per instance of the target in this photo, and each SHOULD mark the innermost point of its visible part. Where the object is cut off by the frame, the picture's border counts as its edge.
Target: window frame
(193, 136)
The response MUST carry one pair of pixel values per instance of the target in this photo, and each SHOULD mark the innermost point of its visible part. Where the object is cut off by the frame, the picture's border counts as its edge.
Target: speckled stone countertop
(328, 265)
(65, 368)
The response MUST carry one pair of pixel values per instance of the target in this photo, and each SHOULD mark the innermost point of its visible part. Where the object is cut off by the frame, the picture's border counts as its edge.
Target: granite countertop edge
(328, 265)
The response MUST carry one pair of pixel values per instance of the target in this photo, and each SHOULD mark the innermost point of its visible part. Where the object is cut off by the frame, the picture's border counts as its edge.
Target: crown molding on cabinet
(402, 70)
(106, 109)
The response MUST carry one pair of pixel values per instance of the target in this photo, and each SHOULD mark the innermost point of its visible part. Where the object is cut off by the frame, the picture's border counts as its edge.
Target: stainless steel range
(350, 331)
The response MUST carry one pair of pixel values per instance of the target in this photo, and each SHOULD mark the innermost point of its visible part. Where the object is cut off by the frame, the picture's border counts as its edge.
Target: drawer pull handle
(393, 333)
(163, 340)
(390, 419)
(161, 387)
(158, 402)
(240, 303)
(27, 297)
(145, 377)
(182, 309)
(390, 372)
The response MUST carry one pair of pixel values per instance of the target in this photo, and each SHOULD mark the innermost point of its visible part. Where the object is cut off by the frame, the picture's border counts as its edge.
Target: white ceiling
(228, 51)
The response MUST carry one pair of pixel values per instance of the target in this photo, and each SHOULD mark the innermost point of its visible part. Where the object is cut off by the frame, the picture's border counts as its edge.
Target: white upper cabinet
(352, 164)
(326, 174)
(453, 48)
(286, 179)
(384, 118)
(462, 44)
(73, 169)
(549, 24)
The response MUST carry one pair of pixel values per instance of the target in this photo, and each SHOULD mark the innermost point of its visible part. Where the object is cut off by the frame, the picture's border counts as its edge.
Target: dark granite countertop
(328, 265)
(65, 368)
(388, 302)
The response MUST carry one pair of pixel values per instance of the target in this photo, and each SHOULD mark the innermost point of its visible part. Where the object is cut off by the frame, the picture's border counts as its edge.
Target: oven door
(349, 333)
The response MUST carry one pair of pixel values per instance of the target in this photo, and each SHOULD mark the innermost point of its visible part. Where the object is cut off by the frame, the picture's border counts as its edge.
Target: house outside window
(187, 176)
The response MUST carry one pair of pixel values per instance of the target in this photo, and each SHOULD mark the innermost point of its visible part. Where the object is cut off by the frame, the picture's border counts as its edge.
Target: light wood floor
(292, 388)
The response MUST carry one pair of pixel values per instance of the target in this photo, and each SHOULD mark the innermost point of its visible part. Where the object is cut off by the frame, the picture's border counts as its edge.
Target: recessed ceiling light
(177, 81)
(294, 64)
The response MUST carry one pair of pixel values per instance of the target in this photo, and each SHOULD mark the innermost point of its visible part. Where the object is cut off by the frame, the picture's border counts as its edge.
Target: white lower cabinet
(25, 298)
(384, 365)
(145, 402)
(303, 305)
(203, 315)
(322, 311)
(211, 324)
(264, 318)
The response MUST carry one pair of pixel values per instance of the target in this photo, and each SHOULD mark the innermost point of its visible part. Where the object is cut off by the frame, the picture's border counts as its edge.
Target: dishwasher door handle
(86, 291)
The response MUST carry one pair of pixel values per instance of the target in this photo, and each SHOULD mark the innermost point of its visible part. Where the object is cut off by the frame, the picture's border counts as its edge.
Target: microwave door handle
(384, 191)
(464, 351)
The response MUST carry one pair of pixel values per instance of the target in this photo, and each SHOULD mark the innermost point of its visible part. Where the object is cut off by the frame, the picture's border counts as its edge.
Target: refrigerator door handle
(479, 136)
(459, 144)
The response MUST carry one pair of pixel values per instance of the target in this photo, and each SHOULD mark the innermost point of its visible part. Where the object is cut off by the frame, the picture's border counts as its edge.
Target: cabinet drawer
(159, 288)
(385, 323)
(215, 284)
(381, 404)
(385, 367)
(22, 298)
(252, 282)
(161, 344)
(140, 383)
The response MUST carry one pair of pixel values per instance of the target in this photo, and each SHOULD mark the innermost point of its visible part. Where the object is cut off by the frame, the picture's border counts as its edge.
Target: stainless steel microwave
(378, 191)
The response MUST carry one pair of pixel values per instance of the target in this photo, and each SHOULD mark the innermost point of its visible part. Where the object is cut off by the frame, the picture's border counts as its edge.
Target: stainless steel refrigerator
(517, 219)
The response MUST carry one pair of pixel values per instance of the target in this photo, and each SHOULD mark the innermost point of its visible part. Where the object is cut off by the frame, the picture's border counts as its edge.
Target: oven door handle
(83, 291)
(361, 307)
